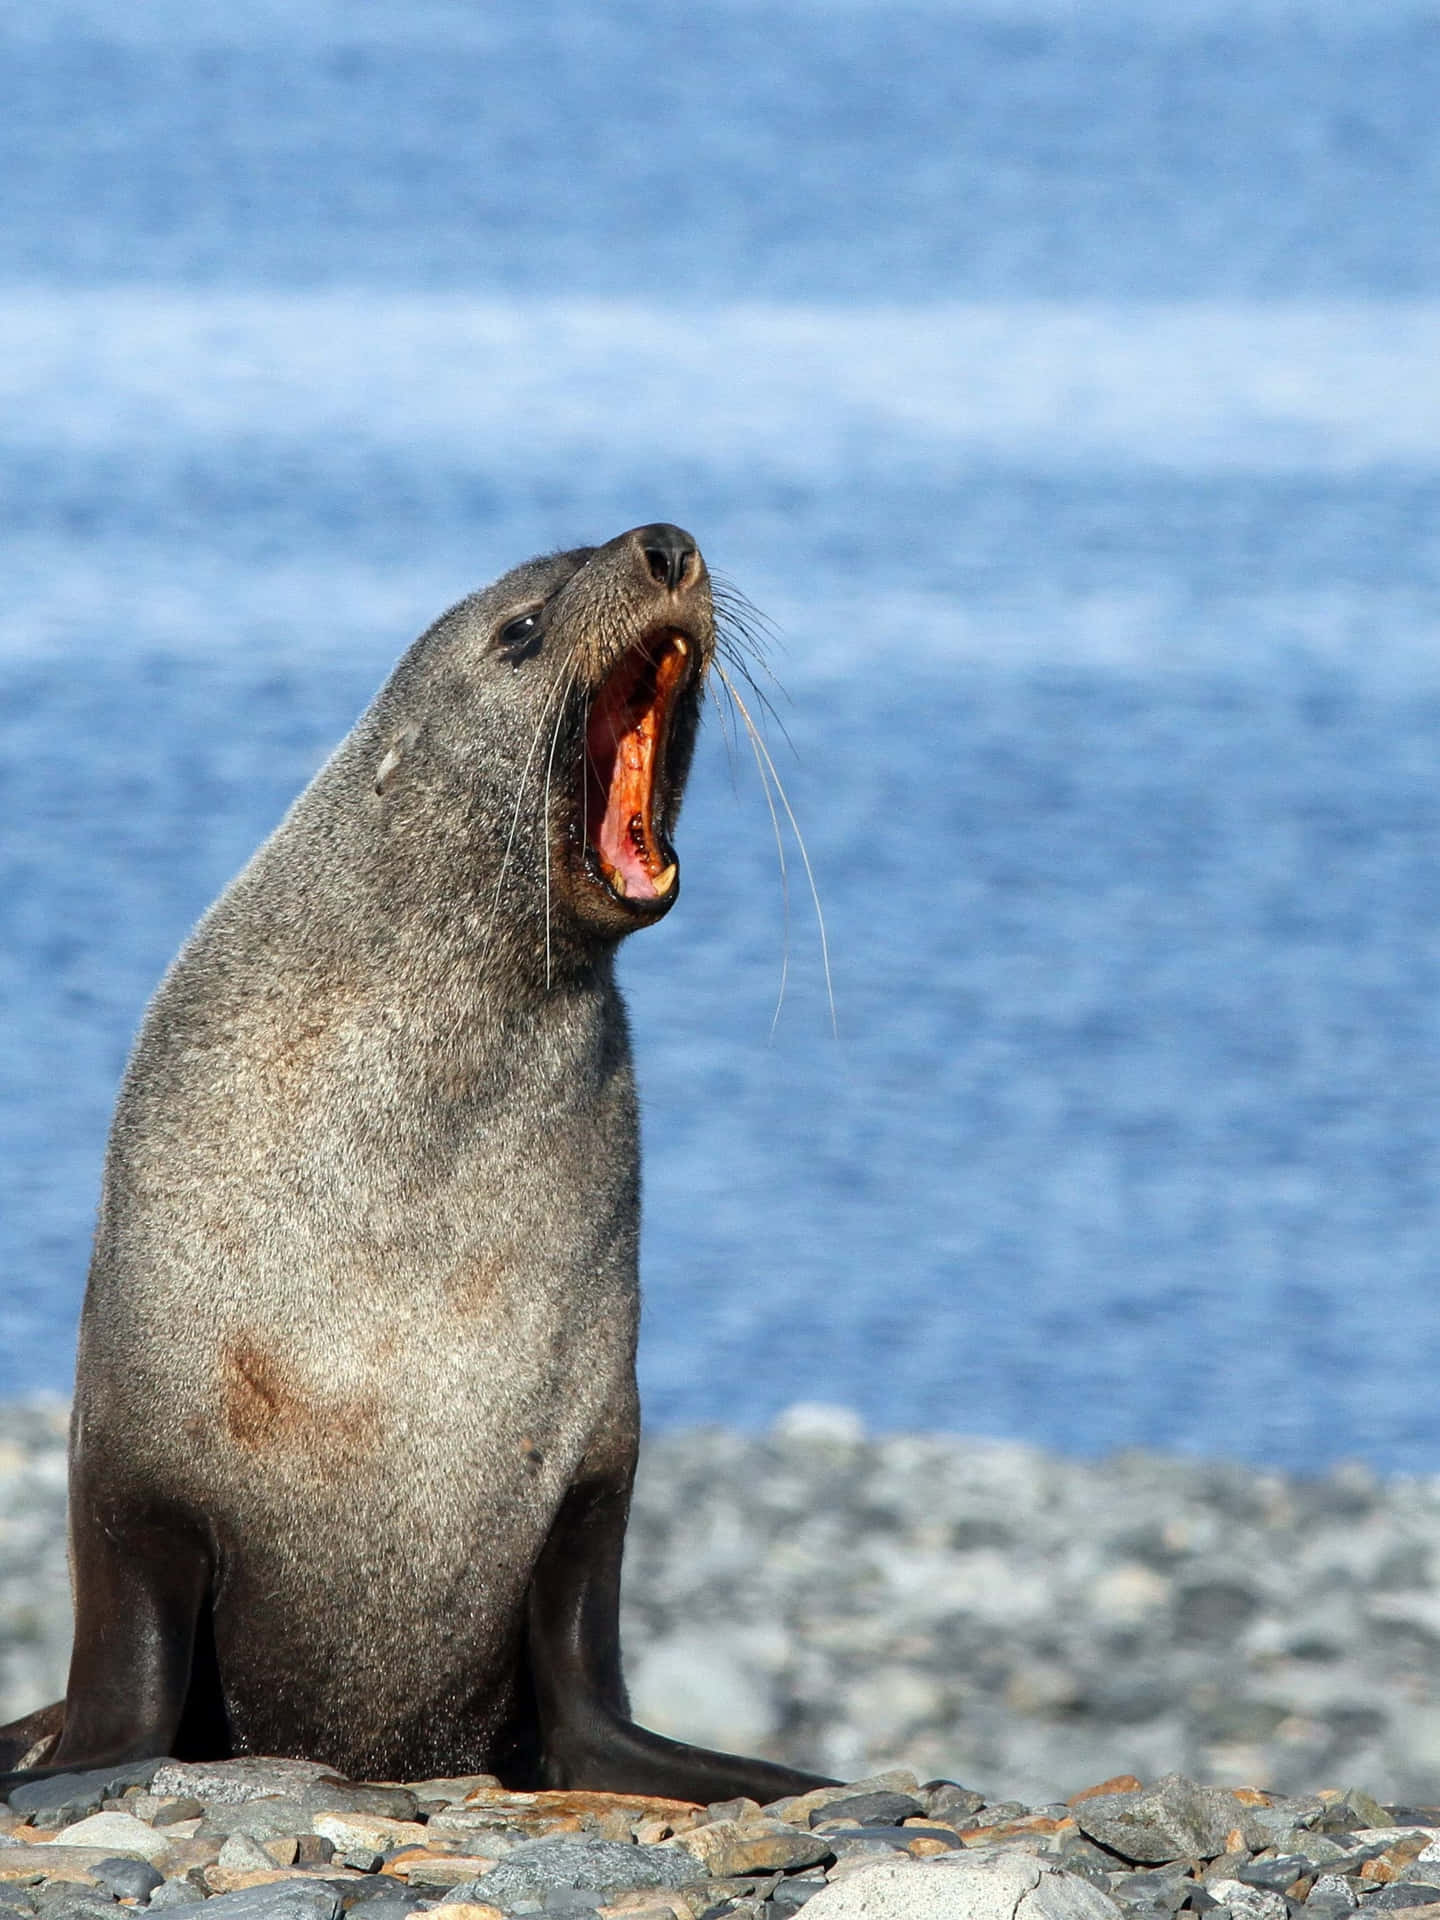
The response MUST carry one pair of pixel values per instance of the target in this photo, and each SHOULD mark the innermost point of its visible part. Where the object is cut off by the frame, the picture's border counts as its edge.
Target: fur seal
(355, 1411)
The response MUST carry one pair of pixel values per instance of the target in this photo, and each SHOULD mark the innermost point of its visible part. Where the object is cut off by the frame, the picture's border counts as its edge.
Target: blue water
(1065, 388)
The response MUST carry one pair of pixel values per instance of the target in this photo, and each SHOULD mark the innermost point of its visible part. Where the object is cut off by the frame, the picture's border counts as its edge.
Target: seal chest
(356, 1414)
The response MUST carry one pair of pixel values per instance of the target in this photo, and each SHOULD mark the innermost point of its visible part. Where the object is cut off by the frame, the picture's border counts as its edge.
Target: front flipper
(141, 1588)
(29, 1741)
(587, 1738)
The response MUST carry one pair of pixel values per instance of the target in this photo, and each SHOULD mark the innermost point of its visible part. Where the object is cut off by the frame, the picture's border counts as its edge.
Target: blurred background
(1061, 383)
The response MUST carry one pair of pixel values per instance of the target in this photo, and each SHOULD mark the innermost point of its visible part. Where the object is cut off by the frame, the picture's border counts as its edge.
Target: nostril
(668, 554)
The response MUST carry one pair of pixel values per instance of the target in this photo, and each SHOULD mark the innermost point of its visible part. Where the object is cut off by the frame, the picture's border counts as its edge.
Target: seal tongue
(623, 742)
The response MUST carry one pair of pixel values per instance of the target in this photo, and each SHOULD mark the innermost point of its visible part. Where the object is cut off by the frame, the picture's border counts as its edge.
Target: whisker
(727, 734)
(758, 742)
(549, 774)
(561, 675)
(784, 872)
(766, 702)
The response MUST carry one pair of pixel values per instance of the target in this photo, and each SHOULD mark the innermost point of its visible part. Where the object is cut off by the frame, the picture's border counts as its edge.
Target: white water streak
(1189, 387)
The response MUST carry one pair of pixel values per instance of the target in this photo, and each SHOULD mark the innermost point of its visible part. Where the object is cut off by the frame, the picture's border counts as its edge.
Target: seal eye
(520, 638)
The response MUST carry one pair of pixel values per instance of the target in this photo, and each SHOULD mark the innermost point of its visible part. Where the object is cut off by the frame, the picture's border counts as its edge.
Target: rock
(243, 1852)
(362, 1832)
(451, 1789)
(218, 1879)
(532, 1869)
(727, 1847)
(47, 1861)
(952, 1804)
(128, 1879)
(332, 1795)
(279, 1900)
(1119, 1783)
(381, 1905)
(230, 1782)
(870, 1809)
(956, 1888)
(260, 1819)
(175, 1893)
(119, 1833)
(1172, 1820)
(67, 1797)
(921, 1842)
(1249, 1903)
(1332, 1886)
(62, 1902)
(422, 1868)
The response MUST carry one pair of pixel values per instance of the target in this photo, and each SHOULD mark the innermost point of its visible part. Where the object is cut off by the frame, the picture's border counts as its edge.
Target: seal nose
(670, 555)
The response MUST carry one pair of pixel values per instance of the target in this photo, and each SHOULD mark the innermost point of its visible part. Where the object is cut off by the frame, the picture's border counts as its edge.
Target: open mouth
(624, 748)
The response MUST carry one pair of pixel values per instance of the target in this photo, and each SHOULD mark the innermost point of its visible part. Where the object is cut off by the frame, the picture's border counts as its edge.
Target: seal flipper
(142, 1588)
(587, 1738)
(29, 1741)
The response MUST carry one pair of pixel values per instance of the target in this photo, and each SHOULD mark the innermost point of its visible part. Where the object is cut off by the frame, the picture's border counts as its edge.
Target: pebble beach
(1058, 1690)
(968, 1609)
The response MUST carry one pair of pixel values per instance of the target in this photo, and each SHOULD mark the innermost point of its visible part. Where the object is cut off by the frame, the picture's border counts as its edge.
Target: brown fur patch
(267, 1408)
(472, 1283)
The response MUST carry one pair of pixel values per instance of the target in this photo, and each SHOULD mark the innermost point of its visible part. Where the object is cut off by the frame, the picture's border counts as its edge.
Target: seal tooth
(664, 881)
(617, 881)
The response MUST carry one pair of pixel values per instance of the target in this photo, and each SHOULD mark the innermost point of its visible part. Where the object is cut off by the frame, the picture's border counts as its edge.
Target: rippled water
(1065, 391)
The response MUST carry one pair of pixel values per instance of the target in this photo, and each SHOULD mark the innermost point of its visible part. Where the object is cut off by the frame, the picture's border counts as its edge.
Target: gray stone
(600, 1866)
(62, 1901)
(999, 1813)
(280, 1900)
(242, 1851)
(1276, 1874)
(176, 1893)
(946, 1801)
(228, 1782)
(1332, 1887)
(119, 1833)
(1318, 1849)
(962, 1887)
(66, 1797)
(1249, 1903)
(1147, 1893)
(870, 1809)
(853, 1841)
(1175, 1819)
(1403, 1893)
(1329, 1906)
(792, 1893)
(1066, 1896)
(378, 1901)
(331, 1795)
(128, 1879)
(268, 1819)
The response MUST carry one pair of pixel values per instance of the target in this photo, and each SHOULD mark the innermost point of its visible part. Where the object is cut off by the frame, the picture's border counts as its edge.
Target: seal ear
(393, 755)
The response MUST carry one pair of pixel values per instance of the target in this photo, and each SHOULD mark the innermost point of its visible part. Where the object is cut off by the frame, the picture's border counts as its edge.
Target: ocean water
(1066, 391)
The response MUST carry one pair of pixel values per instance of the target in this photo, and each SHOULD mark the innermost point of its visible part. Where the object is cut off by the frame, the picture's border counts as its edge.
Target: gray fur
(364, 1294)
